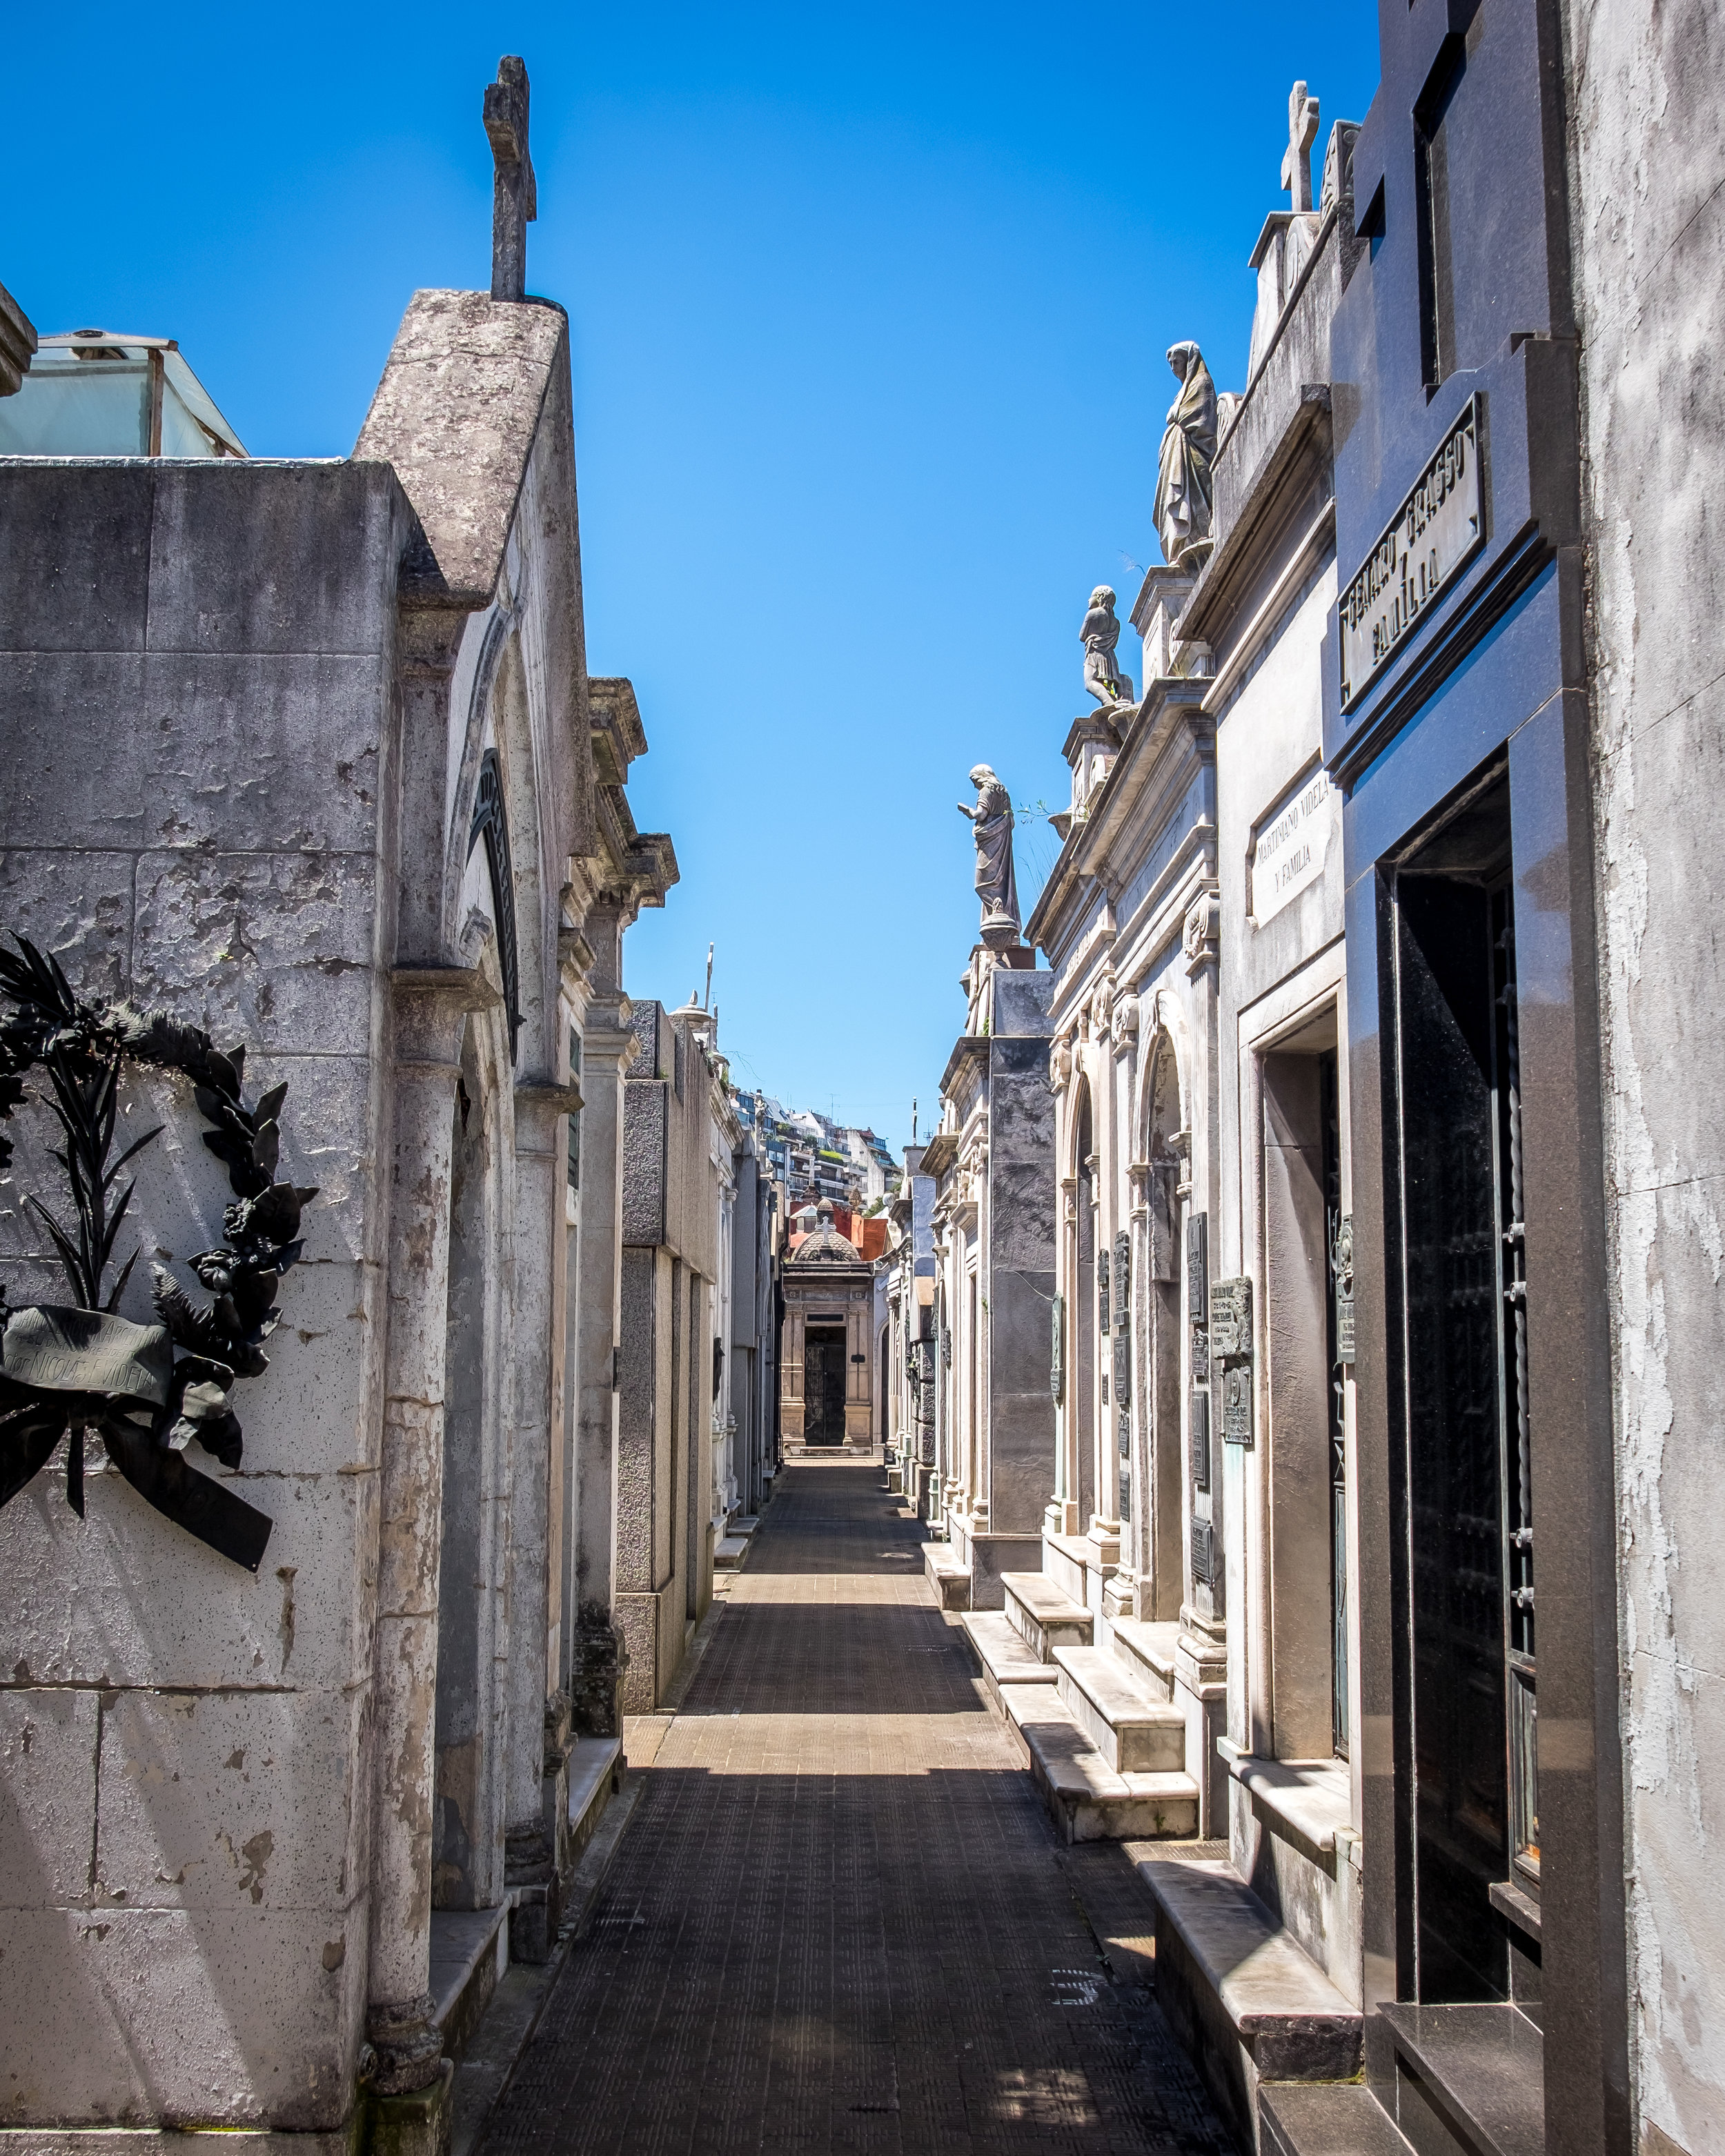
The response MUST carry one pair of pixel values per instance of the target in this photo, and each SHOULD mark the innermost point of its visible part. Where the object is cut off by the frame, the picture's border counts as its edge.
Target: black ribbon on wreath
(79, 1370)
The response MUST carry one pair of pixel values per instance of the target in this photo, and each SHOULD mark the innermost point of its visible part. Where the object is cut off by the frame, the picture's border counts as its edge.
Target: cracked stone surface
(839, 1919)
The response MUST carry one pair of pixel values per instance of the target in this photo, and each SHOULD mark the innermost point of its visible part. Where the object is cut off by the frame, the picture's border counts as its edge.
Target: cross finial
(515, 200)
(1302, 133)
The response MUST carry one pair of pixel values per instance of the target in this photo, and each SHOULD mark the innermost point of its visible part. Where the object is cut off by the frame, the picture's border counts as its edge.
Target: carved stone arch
(475, 726)
(1166, 1052)
(1160, 1456)
(501, 800)
(1081, 1124)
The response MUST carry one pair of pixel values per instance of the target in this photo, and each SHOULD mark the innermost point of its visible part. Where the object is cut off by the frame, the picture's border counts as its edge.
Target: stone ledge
(1309, 1802)
(596, 1771)
(1473, 2074)
(470, 1953)
(1003, 1655)
(1318, 2119)
(1242, 1995)
(950, 1580)
(178, 2141)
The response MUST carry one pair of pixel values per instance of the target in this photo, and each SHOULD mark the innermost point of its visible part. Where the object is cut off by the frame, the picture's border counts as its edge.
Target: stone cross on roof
(1302, 133)
(514, 198)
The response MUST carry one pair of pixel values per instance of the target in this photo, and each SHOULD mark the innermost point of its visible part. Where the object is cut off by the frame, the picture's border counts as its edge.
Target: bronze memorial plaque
(1230, 1318)
(1237, 1404)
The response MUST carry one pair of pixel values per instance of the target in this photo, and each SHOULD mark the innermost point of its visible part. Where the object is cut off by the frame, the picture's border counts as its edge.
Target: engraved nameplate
(1292, 845)
(1237, 1404)
(1201, 1439)
(1198, 1267)
(1430, 537)
(1230, 1318)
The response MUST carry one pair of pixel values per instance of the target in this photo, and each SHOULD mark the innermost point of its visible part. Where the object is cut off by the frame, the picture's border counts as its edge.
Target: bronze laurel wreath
(71, 1370)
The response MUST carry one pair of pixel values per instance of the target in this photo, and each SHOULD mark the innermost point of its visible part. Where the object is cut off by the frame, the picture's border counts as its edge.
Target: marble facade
(1375, 935)
(396, 640)
(990, 1171)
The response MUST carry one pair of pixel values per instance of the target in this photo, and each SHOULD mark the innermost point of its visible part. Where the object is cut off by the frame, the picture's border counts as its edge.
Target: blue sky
(868, 312)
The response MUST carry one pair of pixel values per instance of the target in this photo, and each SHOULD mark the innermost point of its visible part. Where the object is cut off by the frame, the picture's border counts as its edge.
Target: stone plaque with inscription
(1293, 843)
(1230, 1318)
(1430, 537)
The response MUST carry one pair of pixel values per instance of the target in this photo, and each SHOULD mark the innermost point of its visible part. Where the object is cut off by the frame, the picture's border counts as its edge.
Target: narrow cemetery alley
(1092, 1526)
(839, 1917)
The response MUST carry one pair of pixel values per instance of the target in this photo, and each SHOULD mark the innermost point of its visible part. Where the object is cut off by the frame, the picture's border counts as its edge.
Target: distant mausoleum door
(824, 1369)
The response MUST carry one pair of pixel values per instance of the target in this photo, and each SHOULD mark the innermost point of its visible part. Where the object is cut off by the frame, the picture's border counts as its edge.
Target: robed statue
(1102, 676)
(990, 826)
(1184, 487)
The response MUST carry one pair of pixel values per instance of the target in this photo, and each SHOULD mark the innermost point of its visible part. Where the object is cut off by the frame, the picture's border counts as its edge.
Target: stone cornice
(1171, 709)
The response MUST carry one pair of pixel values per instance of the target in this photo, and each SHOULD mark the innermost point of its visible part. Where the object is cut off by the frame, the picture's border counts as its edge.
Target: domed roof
(822, 1244)
(825, 1246)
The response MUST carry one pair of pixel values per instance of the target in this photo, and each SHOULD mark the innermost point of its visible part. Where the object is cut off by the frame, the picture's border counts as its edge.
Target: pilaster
(431, 1006)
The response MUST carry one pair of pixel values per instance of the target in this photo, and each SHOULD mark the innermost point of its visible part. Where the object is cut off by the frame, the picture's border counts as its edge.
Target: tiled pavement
(838, 1920)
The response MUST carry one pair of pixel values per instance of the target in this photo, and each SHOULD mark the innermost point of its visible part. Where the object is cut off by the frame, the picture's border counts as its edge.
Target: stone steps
(1147, 1651)
(1470, 2079)
(1003, 1656)
(1314, 2118)
(1135, 1732)
(950, 1580)
(1091, 1800)
(1044, 1615)
(1245, 2000)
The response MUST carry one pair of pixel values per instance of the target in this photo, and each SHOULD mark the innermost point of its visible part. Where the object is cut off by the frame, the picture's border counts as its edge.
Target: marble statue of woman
(1100, 633)
(990, 826)
(1184, 485)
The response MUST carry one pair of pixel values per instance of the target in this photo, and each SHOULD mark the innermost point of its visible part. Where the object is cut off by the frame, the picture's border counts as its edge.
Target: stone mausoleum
(827, 1357)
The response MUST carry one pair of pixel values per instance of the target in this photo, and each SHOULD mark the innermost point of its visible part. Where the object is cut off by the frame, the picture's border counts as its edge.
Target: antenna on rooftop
(708, 997)
(913, 1122)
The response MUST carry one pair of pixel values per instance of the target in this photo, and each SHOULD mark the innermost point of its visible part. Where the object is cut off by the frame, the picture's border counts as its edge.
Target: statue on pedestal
(1184, 495)
(996, 884)
(1100, 633)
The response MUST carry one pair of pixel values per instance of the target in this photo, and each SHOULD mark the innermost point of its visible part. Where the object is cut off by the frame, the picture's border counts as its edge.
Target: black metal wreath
(147, 1390)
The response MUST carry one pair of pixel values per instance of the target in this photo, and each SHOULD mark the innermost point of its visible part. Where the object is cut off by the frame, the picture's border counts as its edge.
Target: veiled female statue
(1100, 633)
(1184, 495)
(990, 826)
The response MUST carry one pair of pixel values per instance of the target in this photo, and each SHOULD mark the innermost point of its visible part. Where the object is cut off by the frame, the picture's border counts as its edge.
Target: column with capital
(431, 1009)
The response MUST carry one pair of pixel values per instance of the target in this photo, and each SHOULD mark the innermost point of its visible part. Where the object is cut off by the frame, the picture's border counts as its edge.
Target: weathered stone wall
(1018, 1259)
(196, 673)
(1647, 148)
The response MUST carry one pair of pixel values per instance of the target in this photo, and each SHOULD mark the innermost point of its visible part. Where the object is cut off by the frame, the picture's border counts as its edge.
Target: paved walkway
(839, 1920)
